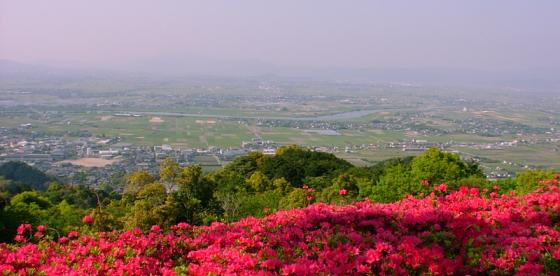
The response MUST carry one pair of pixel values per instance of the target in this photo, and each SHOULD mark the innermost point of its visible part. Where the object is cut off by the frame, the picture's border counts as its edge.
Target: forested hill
(19, 173)
(253, 185)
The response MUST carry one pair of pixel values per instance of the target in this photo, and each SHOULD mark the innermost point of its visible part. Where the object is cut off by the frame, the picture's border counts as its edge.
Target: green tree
(10, 188)
(346, 182)
(259, 204)
(438, 167)
(259, 182)
(228, 181)
(151, 207)
(529, 180)
(114, 214)
(395, 183)
(295, 164)
(169, 170)
(195, 195)
(506, 185)
(230, 204)
(246, 165)
(23, 173)
(31, 198)
(26, 207)
(64, 217)
(294, 199)
(471, 182)
(319, 182)
(76, 195)
(136, 181)
(282, 185)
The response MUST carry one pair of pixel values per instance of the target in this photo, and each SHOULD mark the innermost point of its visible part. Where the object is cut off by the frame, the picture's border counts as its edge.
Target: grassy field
(178, 131)
(545, 156)
(193, 132)
(465, 138)
(346, 137)
(541, 156)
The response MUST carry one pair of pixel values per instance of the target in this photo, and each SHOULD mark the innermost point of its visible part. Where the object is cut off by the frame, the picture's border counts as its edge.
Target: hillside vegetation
(466, 232)
(253, 185)
(23, 177)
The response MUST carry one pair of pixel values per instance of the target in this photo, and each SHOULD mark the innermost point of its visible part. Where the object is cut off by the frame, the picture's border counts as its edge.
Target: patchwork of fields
(202, 132)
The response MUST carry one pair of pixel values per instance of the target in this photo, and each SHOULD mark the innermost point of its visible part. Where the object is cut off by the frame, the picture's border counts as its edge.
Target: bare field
(156, 120)
(90, 162)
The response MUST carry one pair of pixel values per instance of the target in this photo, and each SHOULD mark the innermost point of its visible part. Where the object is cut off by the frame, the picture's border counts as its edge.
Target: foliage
(466, 232)
(437, 166)
(19, 172)
(136, 181)
(395, 183)
(151, 207)
(246, 165)
(297, 198)
(528, 180)
(259, 182)
(168, 173)
(295, 164)
(254, 185)
(76, 195)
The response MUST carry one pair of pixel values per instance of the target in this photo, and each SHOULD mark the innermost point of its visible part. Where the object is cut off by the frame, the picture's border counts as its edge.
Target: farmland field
(361, 122)
(203, 131)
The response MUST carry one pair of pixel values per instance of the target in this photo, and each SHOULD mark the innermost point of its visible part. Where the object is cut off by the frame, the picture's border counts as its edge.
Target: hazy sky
(477, 34)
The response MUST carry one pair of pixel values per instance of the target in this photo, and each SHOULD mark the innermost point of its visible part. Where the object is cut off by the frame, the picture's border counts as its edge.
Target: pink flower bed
(464, 232)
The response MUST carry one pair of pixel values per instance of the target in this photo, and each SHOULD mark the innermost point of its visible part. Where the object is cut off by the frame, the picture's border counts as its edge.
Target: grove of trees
(252, 185)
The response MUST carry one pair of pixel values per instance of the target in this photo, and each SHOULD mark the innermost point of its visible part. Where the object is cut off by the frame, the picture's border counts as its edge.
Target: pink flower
(182, 225)
(342, 192)
(41, 228)
(474, 192)
(425, 182)
(433, 235)
(373, 256)
(87, 219)
(22, 228)
(155, 228)
(271, 264)
(530, 269)
(441, 188)
(556, 254)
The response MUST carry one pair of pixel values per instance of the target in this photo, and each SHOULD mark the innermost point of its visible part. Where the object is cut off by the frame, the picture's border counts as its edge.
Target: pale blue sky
(126, 34)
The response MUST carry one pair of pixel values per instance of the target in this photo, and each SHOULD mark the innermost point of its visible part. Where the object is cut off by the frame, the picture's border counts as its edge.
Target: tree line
(252, 185)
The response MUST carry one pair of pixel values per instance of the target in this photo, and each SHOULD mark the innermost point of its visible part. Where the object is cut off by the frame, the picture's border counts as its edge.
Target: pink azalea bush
(87, 219)
(462, 232)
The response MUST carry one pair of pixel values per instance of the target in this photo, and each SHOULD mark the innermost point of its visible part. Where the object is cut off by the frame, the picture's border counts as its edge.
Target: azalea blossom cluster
(461, 232)
(309, 193)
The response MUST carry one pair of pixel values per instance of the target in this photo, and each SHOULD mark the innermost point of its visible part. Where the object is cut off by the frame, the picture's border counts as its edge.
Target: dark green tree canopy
(294, 164)
(20, 172)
